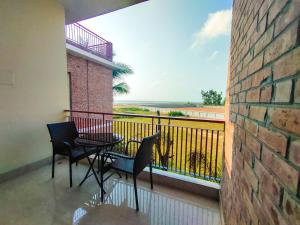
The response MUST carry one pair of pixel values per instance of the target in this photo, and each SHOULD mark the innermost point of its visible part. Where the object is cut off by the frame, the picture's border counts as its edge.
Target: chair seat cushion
(125, 165)
(80, 153)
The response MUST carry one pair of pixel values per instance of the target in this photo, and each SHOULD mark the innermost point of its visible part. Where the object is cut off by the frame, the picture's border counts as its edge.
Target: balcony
(87, 40)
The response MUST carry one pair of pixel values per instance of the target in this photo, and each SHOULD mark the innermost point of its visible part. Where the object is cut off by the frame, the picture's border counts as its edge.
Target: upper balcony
(87, 40)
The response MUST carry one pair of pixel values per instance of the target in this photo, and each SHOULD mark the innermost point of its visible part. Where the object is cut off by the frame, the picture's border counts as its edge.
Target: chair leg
(151, 179)
(126, 176)
(101, 178)
(136, 194)
(98, 157)
(70, 171)
(53, 165)
(76, 163)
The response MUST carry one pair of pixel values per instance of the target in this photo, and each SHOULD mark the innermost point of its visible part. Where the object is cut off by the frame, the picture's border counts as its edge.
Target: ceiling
(77, 10)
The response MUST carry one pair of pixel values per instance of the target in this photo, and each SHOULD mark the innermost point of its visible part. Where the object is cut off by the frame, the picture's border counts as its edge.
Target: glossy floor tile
(35, 198)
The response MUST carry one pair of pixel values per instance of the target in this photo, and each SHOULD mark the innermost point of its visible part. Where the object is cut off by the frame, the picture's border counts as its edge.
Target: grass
(189, 153)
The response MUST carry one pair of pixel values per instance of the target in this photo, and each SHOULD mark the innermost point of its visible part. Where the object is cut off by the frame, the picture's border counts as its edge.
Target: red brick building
(89, 68)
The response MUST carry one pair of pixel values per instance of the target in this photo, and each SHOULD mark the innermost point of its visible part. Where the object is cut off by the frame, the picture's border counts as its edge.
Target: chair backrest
(59, 132)
(144, 154)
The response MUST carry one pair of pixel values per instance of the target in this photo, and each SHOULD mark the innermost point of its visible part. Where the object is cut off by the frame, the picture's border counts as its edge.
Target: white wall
(33, 79)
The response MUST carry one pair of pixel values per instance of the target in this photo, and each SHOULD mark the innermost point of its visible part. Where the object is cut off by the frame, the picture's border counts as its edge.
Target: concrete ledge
(25, 169)
(185, 183)
(193, 185)
(73, 50)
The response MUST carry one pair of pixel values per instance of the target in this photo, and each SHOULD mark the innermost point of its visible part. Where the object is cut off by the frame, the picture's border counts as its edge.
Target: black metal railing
(86, 39)
(187, 146)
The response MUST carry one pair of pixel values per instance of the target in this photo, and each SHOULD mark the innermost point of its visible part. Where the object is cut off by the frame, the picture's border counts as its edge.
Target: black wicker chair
(62, 139)
(131, 165)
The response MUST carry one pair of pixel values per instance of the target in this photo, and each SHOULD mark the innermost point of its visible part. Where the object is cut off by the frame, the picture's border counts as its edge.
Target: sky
(176, 48)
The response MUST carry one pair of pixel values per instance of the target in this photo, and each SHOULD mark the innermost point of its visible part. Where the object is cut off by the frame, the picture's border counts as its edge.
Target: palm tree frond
(121, 71)
(121, 88)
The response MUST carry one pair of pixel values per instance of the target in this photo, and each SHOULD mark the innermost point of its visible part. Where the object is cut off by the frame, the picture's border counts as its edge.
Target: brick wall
(262, 151)
(91, 85)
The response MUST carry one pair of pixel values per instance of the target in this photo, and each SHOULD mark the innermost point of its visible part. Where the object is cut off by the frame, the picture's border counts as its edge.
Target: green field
(193, 148)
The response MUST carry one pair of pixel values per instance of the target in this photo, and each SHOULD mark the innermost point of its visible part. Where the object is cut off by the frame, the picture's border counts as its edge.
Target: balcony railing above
(187, 146)
(87, 40)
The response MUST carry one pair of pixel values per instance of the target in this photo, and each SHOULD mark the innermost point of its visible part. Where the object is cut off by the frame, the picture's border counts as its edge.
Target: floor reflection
(156, 208)
(35, 198)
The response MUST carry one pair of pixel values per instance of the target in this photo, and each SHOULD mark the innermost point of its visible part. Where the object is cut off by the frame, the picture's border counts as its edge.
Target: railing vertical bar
(191, 149)
(205, 156)
(217, 148)
(211, 152)
(172, 143)
(181, 148)
(134, 135)
(201, 153)
(195, 153)
(186, 149)
(176, 150)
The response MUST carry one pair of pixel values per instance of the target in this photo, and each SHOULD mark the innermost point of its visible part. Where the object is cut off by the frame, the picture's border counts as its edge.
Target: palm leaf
(121, 88)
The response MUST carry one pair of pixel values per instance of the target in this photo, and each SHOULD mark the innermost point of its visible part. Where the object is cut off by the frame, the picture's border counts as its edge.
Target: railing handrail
(91, 32)
(148, 116)
(75, 32)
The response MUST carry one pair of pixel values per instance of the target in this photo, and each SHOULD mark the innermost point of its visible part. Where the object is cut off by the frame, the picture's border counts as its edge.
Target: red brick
(275, 9)
(261, 76)
(243, 109)
(264, 9)
(248, 58)
(287, 65)
(275, 140)
(253, 144)
(294, 152)
(264, 40)
(234, 108)
(237, 88)
(242, 134)
(247, 154)
(251, 126)
(286, 174)
(246, 84)
(291, 208)
(253, 95)
(251, 177)
(233, 117)
(266, 94)
(275, 216)
(256, 64)
(91, 85)
(268, 184)
(261, 212)
(244, 73)
(282, 44)
(242, 96)
(287, 16)
(258, 113)
(260, 29)
(286, 119)
(283, 91)
(240, 120)
(297, 91)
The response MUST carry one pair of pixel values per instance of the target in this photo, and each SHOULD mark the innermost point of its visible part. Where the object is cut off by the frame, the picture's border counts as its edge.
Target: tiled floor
(35, 198)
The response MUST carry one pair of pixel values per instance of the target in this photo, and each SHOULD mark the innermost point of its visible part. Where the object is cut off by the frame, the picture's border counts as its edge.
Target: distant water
(137, 102)
(160, 104)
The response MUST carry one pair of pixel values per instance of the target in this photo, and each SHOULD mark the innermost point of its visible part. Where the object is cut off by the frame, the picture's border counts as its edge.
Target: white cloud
(213, 55)
(217, 24)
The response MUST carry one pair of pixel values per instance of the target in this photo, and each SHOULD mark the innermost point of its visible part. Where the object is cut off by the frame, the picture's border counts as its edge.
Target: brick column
(262, 164)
